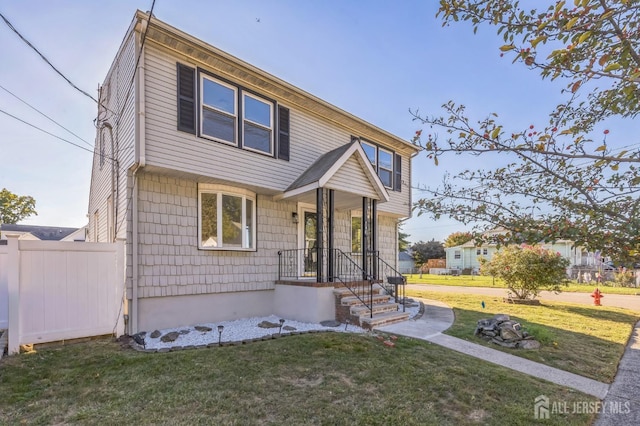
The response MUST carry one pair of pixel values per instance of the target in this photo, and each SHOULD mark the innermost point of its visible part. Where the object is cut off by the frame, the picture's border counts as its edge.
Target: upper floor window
(457, 254)
(219, 116)
(485, 251)
(222, 111)
(478, 251)
(258, 124)
(382, 161)
(218, 110)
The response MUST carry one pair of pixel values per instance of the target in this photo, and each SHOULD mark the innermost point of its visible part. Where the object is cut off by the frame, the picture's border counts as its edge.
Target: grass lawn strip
(581, 339)
(329, 378)
(484, 281)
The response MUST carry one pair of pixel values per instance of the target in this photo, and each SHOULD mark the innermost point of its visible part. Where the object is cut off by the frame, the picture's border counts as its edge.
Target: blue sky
(374, 59)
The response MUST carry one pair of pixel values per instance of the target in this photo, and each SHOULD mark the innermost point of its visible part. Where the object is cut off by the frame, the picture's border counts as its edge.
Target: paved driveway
(616, 300)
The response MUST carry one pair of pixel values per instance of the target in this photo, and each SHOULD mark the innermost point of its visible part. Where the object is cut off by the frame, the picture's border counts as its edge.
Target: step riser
(364, 312)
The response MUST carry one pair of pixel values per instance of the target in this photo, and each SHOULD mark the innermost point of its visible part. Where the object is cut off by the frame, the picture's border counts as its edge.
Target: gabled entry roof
(345, 169)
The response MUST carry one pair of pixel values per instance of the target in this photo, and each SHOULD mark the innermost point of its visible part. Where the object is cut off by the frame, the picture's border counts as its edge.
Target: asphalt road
(615, 300)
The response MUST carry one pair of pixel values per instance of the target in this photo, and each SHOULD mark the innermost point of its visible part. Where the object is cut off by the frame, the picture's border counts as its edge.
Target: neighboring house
(44, 233)
(406, 264)
(467, 255)
(237, 193)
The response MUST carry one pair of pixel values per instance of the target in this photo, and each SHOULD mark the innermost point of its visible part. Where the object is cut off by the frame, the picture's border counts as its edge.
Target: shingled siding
(172, 265)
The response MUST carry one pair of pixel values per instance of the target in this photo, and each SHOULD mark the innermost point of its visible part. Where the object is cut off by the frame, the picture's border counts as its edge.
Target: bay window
(226, 218)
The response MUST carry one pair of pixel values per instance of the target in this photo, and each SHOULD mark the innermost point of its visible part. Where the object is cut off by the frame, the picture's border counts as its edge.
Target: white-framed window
(385, 167)
(221, 108)
(457, 254)
(478, 252)
(257, 124)
(226, 218)
(218, 110)
(485, 251)
(371, 151)
(356, 234)
(381, 160)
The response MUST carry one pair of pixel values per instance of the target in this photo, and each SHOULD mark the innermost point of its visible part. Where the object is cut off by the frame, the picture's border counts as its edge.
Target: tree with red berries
(562, 180)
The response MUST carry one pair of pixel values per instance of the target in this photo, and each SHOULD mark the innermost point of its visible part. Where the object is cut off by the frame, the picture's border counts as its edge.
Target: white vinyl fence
(4, 291)
(52, 290)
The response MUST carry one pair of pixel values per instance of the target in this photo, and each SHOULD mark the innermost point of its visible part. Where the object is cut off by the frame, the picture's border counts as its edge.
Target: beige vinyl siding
(168, 148)
(172, 265)
(351, 178)
(118, 144)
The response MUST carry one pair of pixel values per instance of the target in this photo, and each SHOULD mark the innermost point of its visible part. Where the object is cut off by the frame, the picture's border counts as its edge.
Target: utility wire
(44, 115)
(28, 43)
(51, 134)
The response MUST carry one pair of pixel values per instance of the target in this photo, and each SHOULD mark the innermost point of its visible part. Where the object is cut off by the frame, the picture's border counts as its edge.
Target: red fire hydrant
(597, 295)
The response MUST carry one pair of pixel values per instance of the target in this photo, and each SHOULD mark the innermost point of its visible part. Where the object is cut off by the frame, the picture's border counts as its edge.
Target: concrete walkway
(622, 404)
(439, 317)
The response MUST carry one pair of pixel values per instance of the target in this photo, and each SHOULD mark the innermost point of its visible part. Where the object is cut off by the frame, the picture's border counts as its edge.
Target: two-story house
(237, 193)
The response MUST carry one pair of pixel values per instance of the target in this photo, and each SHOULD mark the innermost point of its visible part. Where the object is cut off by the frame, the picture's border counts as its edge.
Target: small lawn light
(346, 324)
(281, 323)
(220, 330)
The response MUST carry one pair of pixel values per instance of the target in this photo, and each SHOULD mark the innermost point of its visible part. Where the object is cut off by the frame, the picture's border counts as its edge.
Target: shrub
(527, 270)
(624, 278)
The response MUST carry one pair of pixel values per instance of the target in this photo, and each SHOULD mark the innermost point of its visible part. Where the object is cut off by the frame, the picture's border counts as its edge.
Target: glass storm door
(309, 254)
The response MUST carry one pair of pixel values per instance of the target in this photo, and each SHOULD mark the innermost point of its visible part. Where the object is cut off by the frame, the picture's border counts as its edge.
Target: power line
(44, 115)
(51, 134)
(28, 43)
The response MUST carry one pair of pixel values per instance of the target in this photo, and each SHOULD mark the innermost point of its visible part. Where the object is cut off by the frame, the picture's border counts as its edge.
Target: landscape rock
(330, 323)
(155, 334)
(170, 337)
(502, 331)
(529, 344)
(268, 324)
(202, 328)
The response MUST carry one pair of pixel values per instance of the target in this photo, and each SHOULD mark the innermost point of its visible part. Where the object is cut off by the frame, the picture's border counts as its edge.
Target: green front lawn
(328, 378)
(484, 281)
(583, 339)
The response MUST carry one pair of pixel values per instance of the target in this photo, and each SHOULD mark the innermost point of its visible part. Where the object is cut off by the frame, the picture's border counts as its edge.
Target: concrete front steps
(349, 307)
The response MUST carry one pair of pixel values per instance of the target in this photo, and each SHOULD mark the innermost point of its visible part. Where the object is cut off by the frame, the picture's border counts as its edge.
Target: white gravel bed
(243, 329)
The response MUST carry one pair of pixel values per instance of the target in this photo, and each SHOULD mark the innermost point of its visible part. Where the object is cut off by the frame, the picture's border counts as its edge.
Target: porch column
(330, 213)
(374, 239)
(364, 229)
(319, 233)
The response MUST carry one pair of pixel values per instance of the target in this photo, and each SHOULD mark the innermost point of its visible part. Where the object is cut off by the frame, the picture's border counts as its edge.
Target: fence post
(13, 287)
(121, 277)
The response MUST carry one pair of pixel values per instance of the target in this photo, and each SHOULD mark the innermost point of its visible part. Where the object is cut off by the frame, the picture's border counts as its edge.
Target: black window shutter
(283, 133)
(186, 99)
(397, 180)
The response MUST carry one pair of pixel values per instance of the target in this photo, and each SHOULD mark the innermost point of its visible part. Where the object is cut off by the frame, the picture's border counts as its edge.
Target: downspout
(140, 162)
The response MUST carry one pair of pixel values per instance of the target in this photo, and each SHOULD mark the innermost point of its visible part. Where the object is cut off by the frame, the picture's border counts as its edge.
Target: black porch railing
(340, 268)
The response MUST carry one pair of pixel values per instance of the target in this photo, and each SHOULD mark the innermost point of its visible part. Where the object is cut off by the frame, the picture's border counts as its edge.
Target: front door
(308, 244)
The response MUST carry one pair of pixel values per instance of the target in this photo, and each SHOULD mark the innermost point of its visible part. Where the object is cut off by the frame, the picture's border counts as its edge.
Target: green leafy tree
(526, 270)
(403, 238)
(561, 180)
(457, 239)
(14, 208)
(430, 250)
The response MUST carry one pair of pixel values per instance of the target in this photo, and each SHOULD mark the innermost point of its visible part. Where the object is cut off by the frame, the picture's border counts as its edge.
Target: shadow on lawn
(588, 355)
(597, 314)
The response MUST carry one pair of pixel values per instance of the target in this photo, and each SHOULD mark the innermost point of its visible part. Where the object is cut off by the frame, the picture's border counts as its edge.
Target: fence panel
(4, 289)
(68, 290)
